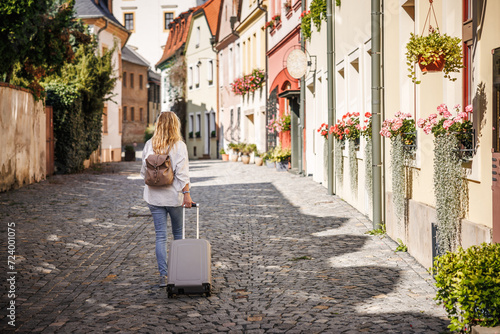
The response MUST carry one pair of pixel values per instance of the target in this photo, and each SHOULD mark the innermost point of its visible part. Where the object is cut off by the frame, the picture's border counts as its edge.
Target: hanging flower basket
(435, 66)
(434, 52)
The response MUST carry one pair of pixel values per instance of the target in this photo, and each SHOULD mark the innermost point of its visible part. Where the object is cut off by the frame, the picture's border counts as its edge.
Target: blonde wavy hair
(167, 132)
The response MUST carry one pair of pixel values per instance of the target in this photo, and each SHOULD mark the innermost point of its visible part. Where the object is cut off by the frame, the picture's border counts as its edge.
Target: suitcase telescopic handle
(197, 205)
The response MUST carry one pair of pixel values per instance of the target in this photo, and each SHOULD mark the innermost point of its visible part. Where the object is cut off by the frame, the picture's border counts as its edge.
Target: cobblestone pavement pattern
(286, 258)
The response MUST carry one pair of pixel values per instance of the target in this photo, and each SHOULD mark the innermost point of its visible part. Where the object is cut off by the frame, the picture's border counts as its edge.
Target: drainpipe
(103, 28)
(302, 104)
(330, 45)
(376, 117)
(97, 37)
(259, 6)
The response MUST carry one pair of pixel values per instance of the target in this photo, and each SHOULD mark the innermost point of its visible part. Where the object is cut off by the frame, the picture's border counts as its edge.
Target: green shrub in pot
(468, 286)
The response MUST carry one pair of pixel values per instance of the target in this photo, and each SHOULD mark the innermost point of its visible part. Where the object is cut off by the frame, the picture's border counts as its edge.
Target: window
(165, 89)
(198, 33)
(140, 115)
(190, 77)
(105, 120)
(239, 116)
(124, 113)
(131, 80)
(198, 122)
(132, 116)
(128, 18)
(168, 17)
(467, 38)
(197, 75)
(221, 71)
(124, 79)
(210, 72)
(237, 61)
(120, 121)
(140, 81)
(230, 65)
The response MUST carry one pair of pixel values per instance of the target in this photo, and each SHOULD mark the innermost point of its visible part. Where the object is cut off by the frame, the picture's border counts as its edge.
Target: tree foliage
(36, 39)
(78, 96)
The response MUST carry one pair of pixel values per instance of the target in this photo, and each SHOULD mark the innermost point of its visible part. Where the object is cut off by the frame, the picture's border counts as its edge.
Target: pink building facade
(229, 60)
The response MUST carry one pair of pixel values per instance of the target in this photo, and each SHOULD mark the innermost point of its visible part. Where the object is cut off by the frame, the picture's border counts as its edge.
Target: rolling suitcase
(189, 263)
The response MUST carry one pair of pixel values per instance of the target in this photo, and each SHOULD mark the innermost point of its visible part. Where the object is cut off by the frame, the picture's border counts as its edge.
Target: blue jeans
(160, 214)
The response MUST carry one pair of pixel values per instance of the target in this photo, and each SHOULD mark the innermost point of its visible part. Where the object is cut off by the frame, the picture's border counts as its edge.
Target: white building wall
(150, 35)
(112, 141)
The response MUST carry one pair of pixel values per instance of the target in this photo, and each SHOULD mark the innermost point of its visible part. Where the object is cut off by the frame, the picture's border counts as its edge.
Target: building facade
(251, 29)
(135, 96)
(109, 33)
(148, 21)
(201, 94)
(228, 46)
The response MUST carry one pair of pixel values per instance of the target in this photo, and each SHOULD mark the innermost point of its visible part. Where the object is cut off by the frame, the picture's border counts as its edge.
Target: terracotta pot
(234, 157)
(225, 157)
(259, 161)
(436, 66)
(245, 159)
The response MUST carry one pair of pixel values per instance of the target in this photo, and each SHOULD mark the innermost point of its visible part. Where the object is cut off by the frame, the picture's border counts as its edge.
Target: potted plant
(259, 160)
(245, 150)
(434, 52)
(268, 158)
(198, 134)
(467, 286)
(129, 153)
(212, 134)
(225, 156)
(366, 132)
(235, 149)
(282, 156)
(451, 134)
(248, 83)
(402, 132)
(287, 6)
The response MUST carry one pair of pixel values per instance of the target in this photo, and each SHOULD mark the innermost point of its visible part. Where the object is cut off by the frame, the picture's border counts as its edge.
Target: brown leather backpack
(159, 172)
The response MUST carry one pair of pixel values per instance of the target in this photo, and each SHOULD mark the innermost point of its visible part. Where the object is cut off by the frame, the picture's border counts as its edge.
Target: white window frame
(197, 75)
(198, 35)
(210, 72)
(190, 77)
(230, 64)
(198, 123)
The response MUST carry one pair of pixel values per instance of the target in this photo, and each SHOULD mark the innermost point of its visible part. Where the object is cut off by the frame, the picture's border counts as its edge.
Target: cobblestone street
(286, 257)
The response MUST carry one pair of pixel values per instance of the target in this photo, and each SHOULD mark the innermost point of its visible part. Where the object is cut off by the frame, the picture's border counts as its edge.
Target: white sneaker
(163, 281)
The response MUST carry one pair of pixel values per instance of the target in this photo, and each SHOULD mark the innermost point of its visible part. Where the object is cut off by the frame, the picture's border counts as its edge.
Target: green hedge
(78, 97)
(468, 283)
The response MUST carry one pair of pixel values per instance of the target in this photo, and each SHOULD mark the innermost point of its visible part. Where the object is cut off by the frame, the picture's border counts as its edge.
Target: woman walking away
(169, 199)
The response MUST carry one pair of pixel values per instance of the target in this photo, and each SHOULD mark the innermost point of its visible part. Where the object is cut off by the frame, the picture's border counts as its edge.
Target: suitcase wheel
(170, 293)
(207, 289)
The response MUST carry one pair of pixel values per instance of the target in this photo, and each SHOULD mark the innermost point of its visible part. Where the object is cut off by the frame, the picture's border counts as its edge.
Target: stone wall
(22, 138)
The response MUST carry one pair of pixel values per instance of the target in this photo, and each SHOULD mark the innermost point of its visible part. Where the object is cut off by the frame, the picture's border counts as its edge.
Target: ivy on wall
(315, 14)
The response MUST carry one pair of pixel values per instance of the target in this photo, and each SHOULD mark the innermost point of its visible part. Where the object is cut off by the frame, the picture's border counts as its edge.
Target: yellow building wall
(421, 100)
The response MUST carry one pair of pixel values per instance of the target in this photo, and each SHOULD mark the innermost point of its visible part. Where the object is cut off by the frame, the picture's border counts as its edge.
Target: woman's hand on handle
(187, 203)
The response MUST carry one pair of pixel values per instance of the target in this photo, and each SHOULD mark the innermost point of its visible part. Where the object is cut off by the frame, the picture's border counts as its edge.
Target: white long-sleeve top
(170, 195)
